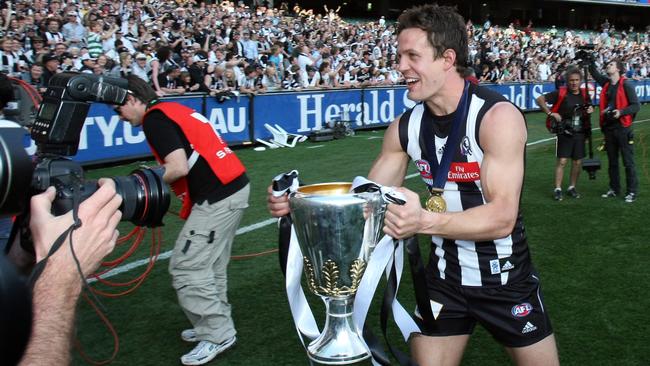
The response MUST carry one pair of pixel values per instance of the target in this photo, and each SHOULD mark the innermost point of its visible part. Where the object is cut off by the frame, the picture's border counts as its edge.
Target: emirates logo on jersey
(464, 172)
(425, 171)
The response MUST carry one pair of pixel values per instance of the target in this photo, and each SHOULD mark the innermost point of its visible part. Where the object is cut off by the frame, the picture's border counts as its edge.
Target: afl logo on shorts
(521, 310)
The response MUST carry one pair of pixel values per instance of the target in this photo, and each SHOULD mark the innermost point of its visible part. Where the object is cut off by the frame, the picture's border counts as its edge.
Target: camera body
(56, 131)
(610, 114)
(585, 54)
(65, 105)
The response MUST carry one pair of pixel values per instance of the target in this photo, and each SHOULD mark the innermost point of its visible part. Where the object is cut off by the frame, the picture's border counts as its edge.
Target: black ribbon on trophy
(436, 202)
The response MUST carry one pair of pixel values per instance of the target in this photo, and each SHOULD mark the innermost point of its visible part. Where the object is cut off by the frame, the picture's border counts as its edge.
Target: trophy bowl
(337, 231)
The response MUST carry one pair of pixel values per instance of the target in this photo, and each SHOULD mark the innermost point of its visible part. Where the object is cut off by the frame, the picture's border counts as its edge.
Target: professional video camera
(585, 54)
(572, 125)
(56, 131)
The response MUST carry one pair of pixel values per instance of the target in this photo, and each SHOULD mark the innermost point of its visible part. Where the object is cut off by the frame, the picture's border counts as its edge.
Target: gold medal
(436, 203)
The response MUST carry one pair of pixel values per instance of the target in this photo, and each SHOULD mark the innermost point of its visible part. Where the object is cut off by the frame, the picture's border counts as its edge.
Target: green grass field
(592, 255)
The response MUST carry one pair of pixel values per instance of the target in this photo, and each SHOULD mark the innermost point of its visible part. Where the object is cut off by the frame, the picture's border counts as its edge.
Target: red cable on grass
(128, 236)
(253, 255)
(134, 246)
(153, 256)
(111, 329)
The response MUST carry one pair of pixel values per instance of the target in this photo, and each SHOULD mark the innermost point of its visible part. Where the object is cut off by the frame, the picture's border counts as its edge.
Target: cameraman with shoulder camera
(618, 106)
(63, 270)
(214, 187)
(566, 118)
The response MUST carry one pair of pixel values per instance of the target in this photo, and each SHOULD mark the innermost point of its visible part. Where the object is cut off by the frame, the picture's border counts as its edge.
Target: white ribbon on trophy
(382, 259)
(303, 317)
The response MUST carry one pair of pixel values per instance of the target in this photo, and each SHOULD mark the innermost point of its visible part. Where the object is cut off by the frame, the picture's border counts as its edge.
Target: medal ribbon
(439, 171)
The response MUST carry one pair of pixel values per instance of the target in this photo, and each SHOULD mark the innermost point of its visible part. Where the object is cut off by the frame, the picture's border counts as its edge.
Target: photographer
(60, 283)
(214, 187)
(568, 115)
(618, 106)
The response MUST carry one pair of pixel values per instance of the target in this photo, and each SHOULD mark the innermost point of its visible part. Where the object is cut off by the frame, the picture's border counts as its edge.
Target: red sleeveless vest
(206, 142)
(620, 103)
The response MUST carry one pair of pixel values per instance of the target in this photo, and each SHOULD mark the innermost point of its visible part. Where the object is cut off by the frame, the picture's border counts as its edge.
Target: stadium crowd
(190, 46)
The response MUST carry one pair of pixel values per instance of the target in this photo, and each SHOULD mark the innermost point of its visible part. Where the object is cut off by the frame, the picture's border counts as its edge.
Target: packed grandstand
(183, 47)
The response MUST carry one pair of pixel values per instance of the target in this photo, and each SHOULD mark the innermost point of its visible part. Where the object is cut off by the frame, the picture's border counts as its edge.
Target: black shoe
(572, 192)
(557, 194)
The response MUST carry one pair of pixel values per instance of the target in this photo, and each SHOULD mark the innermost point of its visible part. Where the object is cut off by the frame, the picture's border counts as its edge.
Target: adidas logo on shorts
(529, 327)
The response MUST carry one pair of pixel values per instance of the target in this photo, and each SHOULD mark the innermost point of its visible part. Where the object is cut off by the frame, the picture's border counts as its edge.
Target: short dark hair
(6, 91)
(141, 90)
(444, 26)
(572, 70)
(620, 66)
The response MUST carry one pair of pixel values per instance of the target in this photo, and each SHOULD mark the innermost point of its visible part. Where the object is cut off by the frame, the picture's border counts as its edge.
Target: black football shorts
(514, 314)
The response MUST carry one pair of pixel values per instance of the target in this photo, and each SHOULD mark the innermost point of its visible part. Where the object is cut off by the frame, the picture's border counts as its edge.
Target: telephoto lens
(15, 171)
(145, 197)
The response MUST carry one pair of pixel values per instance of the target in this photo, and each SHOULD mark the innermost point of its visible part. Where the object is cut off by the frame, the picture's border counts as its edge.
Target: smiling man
(468, 144)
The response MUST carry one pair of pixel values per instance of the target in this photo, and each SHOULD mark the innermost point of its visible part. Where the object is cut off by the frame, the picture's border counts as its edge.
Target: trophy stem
(339, 343)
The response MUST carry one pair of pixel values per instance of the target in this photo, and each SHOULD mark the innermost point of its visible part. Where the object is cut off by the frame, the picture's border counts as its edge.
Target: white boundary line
(261, 224)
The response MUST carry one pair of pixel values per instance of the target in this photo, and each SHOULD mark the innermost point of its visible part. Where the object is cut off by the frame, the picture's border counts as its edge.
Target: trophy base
(339, 343)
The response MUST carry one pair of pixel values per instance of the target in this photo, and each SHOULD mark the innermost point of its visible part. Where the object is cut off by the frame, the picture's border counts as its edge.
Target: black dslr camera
(56, 131)
(609, 114)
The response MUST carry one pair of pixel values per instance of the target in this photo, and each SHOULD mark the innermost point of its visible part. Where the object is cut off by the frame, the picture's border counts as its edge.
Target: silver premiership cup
(337, 232)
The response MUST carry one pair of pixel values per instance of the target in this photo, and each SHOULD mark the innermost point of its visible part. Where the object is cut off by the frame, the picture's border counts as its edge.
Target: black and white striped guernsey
(462, 262)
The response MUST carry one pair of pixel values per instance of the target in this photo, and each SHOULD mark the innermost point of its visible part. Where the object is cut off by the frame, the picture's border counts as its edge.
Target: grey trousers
(199, 262)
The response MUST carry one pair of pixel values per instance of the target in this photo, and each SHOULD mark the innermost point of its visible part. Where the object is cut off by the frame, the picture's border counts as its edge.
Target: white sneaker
(631, 197)
(206, 351)
(189, 335)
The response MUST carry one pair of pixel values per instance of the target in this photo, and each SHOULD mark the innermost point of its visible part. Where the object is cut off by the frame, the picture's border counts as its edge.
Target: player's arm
(390, 166)
(503, 139)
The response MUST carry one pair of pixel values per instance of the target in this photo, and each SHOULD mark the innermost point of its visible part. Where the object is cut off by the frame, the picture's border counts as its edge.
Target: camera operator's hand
(556, 116)
(590, 110)
(93, 240)
(616, 113)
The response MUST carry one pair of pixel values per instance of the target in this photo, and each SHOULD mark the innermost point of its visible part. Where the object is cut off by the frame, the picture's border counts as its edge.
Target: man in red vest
(568, 115)
(618, 106)
(214, 188)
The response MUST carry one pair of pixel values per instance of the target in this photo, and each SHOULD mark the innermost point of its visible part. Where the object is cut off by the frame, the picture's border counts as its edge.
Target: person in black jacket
(618, 106)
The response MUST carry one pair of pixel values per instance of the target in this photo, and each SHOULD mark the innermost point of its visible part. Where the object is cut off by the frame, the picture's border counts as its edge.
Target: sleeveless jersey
(464, 262)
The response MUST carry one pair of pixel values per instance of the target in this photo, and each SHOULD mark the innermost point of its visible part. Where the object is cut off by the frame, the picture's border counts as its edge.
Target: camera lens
(145, 197)
(15, 171)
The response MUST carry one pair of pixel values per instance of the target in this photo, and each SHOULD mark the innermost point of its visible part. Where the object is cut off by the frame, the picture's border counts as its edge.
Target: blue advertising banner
(382, 106)
(104, 137)
(516, 93)
(230, 118)
(304, 112)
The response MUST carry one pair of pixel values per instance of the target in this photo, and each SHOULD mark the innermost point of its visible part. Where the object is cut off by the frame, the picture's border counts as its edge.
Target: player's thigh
(542, 353)
(438, 350)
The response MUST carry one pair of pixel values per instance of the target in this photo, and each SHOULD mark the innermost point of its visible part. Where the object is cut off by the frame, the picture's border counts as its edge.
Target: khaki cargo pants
(199, 262)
